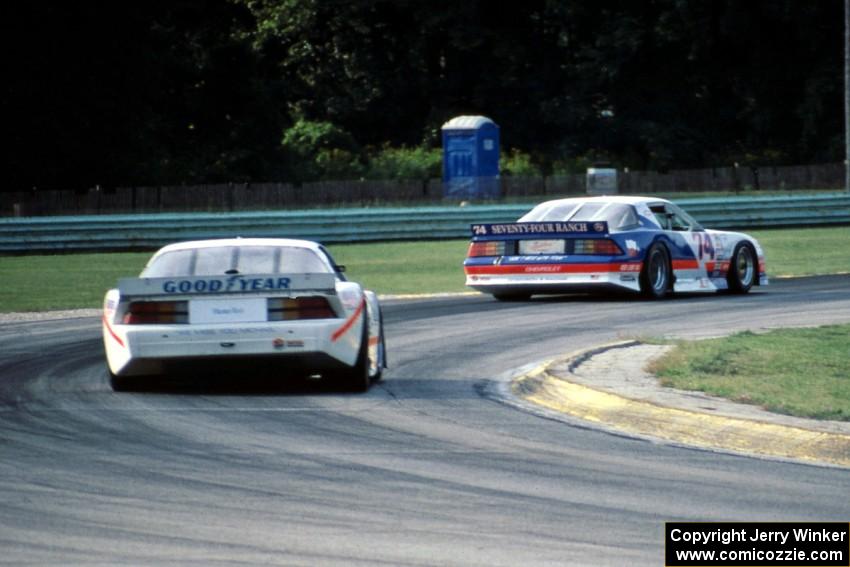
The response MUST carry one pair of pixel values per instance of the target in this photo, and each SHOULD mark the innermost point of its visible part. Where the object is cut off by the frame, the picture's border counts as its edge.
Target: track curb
(646, 419)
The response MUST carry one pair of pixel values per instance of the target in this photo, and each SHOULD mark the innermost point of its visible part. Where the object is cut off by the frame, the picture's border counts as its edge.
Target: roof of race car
(608, 208)
(192, 244)
(236, 242)
(623, 199)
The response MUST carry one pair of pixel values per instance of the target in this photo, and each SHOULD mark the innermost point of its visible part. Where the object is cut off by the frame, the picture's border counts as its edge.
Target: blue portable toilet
(470, 158)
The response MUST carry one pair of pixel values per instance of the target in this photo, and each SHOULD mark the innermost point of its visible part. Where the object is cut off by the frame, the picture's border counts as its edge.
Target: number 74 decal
(705, 247)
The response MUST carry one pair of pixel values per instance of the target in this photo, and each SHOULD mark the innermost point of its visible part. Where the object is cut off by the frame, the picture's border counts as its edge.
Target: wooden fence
(281, 196)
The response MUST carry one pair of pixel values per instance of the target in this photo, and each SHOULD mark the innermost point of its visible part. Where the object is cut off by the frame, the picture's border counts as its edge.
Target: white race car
(640, 244)
(253, 303)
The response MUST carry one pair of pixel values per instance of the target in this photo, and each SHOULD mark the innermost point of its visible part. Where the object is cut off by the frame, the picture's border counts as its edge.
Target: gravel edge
(30, 316)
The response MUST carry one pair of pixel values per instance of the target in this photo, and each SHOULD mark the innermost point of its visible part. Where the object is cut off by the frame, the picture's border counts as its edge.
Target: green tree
(320, 150)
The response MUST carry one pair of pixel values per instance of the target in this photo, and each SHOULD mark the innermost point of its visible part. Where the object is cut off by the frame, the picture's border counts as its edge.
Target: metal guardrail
(129, 232)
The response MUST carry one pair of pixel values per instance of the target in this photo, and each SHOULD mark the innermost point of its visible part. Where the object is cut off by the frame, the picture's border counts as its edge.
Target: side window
(682, 220)
(678, 223)
(623, 217)
(337, 268)
(671, 217)
(661, 216)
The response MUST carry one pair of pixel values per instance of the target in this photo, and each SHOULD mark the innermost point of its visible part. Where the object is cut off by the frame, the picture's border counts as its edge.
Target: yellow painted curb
(680, 426)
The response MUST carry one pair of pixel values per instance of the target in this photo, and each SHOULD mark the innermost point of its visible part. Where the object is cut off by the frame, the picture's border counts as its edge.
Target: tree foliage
(193, 91)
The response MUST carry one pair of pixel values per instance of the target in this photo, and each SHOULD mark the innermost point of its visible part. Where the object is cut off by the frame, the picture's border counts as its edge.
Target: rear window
(236, 259)
(549, 212)
(622, 217)
(619, 216)
(588, 212)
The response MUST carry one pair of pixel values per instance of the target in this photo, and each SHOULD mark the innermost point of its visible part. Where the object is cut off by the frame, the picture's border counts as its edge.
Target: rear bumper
(242, 366)
(553, 283)
(300, 345)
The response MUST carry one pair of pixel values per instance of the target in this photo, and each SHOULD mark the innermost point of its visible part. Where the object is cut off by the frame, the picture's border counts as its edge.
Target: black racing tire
(381, 362)
(382, 348)
(356, 378)
(512, 296)
(743, 268)
(124, 383)
(656, 276)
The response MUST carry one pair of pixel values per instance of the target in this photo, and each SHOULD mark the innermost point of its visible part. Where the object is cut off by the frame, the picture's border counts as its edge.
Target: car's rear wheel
(124, 383)
(356, 378)
(512, 296)
(380, 361)
(742, 269)
(656, 275)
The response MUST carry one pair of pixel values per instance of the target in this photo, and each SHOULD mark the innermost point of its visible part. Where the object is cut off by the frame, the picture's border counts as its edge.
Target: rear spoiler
(237, 283)
(525, 230)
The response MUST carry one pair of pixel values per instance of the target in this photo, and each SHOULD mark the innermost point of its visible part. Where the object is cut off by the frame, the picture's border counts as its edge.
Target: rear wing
(237, 283)
(527, 230)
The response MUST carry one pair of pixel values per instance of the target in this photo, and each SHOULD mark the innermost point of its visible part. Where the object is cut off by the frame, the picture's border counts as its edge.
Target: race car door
(694, 257)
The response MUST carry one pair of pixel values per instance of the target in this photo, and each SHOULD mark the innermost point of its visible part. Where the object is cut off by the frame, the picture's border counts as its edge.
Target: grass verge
(72, 281)
(805, 252)
(69, 281)
(801, 372)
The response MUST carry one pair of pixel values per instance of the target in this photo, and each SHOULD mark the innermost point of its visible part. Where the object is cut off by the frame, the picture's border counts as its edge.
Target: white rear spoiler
(237, 283)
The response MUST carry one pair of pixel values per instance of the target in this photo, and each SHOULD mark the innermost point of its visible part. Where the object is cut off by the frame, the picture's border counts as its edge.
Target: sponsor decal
(705, 246)
(632, 248)
(206, 311)
(539, 247)
(232, 283)
(553, 269)
(525, 228)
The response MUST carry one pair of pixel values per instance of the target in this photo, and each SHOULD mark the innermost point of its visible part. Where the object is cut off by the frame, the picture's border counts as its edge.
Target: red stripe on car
(555, 268)
(685, 264)
(349, 322)
(111, 332)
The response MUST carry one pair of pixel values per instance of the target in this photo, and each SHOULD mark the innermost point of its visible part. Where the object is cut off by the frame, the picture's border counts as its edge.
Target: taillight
(599, 246)
(492, 248)
(156, 312)
(293, 308)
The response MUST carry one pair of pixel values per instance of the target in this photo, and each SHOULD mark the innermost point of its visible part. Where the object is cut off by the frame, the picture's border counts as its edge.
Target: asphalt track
(427, 468)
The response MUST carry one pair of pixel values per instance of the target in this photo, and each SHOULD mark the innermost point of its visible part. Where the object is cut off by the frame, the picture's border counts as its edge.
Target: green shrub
(405, 163)
(518, 163)
(567, 166)
(321, 150)
(335, 164)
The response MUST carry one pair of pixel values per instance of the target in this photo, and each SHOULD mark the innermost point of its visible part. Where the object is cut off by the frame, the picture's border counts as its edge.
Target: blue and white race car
(251, 303)
(640, 244)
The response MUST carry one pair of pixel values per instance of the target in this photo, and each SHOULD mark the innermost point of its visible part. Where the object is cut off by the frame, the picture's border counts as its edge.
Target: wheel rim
(659, 273)
(745, 266)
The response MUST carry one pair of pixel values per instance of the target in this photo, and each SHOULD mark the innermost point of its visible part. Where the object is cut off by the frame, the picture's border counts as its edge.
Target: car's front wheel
(742, 269)
(656, 276)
